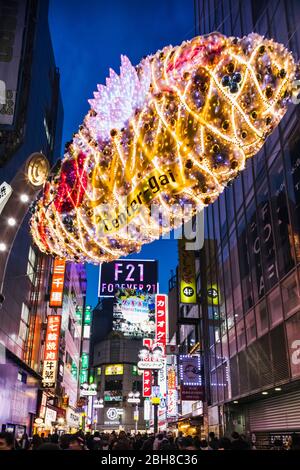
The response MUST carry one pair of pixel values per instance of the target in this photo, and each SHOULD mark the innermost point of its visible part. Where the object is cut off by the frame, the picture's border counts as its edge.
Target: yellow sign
(213, 296)
(155, 401)
(114, 369)
(187, 274)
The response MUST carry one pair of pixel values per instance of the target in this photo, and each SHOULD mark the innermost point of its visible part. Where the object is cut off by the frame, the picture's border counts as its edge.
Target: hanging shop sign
(161, 320)
(213, 296)
(88, 390)
(147, 409)
(150, 365)
(50, 416)
(50, 365)
(191, 387)
(147, 374)
(72, 418)
(187, 274)
(138, 275)
(171, 392)
(57, 283)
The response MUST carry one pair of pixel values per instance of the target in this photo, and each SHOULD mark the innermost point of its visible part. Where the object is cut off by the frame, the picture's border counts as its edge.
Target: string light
(173, 130)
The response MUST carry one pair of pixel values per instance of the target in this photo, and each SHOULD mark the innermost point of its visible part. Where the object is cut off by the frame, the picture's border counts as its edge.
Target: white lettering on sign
(296, 354)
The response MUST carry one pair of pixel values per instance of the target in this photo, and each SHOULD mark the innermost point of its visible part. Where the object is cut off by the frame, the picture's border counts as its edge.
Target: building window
(275, 307)
(240, 333)
(111, 385)
(250, 327)
(137, 386)
(24, 323)
(262, 320)
(22, 377)
(232, 341)
(290, 295)
(31, 264)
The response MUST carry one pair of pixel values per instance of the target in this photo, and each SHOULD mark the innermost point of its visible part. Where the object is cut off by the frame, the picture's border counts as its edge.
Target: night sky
(88, 38)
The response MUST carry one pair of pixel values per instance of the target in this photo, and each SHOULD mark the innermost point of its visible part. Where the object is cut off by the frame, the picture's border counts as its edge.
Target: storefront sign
(127, 274)
(51, 351)
(171, 392)
(147, 409)
(114, 369)
(72, 418)
(150, 365)
(187, 274)
(57, 284)
(50, 416)
(112, 396)
(113, 415)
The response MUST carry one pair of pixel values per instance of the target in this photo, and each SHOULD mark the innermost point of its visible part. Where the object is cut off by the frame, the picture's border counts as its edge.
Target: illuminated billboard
(114, 369)
(127, 274)
(134, 313)
(190, 377)
(51, 351)
(187, 274)
(57, 283)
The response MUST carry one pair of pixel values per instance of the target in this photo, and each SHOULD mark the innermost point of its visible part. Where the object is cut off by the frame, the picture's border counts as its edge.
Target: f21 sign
(127, 274)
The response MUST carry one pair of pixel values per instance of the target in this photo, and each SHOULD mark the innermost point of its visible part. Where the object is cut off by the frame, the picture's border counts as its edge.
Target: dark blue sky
(88, 38)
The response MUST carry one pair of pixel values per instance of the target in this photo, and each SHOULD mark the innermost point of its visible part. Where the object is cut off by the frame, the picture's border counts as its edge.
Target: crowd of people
(165, 441)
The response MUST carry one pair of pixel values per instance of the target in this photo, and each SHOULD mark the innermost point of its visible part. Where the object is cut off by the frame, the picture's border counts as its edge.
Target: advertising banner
(171, 392)
(147, 374)
(51, 351)
(138, 275)
(57, 284)
(12, 25)
(187, 274)
(114, 369)
(134, 313)
(190, 378)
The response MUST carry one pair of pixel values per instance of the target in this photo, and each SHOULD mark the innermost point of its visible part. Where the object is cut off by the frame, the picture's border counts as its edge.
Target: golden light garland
(171, 132)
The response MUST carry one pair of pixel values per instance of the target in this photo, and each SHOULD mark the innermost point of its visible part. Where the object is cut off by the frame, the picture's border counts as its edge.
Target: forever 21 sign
(127, 274)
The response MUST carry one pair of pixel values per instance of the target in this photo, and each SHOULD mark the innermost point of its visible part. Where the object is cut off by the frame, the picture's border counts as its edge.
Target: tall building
(31, 116)
(116, 375)
(248, 275)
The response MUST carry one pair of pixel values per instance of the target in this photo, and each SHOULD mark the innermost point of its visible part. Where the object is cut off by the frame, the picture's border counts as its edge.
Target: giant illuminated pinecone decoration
(171, 132)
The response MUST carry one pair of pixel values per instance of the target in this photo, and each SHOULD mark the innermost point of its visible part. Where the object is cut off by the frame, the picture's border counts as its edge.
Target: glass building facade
(249, 266)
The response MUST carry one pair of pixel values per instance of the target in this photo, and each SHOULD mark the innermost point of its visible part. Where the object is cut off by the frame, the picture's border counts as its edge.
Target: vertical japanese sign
(172, 393)
(187, 274)
(147, 374)
(161, 320)
(161, 333)
(57, 284)
(51, 351)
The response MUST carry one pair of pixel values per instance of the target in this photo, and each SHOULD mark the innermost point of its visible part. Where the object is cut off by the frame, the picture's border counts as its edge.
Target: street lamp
(134, 398)
(152, 359)
(144, 353)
